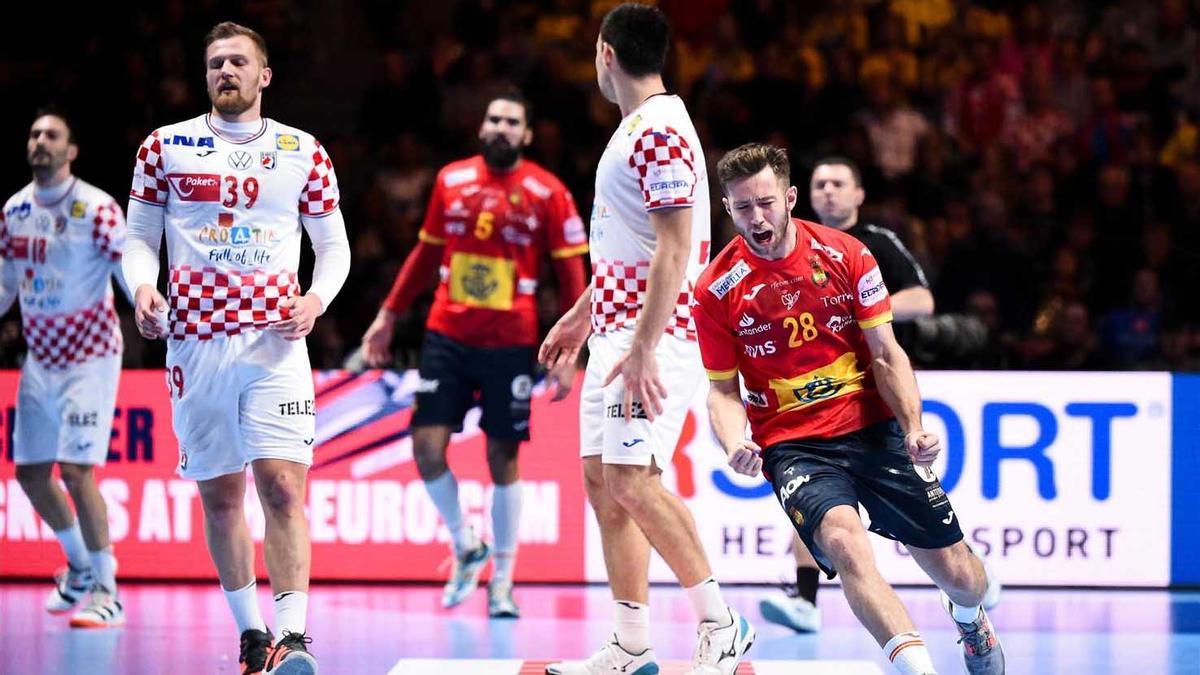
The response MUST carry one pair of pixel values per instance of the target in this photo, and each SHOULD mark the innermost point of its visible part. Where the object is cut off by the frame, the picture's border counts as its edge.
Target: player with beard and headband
(800, 311)
(60, 242)
(232, 190)
(490, 221)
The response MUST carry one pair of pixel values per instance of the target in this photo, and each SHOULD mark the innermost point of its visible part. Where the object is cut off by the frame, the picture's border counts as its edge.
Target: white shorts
(66, 415)
(240, 398)
(602, 427)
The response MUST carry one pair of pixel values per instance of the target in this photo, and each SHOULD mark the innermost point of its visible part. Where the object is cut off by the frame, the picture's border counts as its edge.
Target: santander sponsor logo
(196, 187)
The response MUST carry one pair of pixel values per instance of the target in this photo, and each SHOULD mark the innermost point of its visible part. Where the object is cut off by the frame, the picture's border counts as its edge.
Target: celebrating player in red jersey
(802, 313)
(489, 221)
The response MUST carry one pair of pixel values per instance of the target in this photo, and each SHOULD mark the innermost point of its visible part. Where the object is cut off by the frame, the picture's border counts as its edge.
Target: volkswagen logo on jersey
(240, 160)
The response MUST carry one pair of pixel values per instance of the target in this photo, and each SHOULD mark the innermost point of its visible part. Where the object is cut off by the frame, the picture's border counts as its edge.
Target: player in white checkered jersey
(232, 190)
(649, 242)
(60, 242)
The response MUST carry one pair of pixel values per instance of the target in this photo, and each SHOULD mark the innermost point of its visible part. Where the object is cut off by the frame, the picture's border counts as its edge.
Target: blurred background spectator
(1041, 159)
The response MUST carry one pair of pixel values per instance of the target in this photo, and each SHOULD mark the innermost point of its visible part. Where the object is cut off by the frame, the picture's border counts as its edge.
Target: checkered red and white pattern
(5, 254)
(207, 303)
(320, 196)
(666, 168)
(58, 341)
(149, 179)
(618, 292)
(108, 230)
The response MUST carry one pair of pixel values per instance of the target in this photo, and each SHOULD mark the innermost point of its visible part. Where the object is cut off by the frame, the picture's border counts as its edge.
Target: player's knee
(281, 492)
(33, 476)
(844, 548)
(627, 489)
(967, 576)
(75, 476)
(430, 459)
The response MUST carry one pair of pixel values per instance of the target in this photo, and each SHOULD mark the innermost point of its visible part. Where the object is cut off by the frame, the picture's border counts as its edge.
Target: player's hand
(746, 458)
(562, 379)
(150, 312)
(377, 341)
(300, 312)
(640, 370)
(565, 339)
(922, 446)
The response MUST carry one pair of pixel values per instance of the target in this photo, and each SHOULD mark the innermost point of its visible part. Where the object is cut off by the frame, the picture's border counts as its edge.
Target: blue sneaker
(794, 612)
(464, 576)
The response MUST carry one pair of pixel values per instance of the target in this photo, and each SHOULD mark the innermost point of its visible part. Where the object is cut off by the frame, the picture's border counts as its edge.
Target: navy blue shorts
(869, 467)
(455, 377)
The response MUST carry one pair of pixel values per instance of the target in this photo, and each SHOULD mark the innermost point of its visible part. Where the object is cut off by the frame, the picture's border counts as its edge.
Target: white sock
(708, 603)
(443, 490)
(506, 520)
(291, 612)
(244, 604)
(964, 614)
(633, 626)
(72, 544)
(908, 654)
(104, 568)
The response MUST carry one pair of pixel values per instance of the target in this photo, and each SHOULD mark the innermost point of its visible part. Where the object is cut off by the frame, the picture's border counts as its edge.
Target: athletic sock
(908, 654)
(807, 580)
(104, 569)
(71, 539)
(291, 612)
(506, 521)
(964, 614)
(244, 604)
(708, 603)
(633, 626)
(443, 490)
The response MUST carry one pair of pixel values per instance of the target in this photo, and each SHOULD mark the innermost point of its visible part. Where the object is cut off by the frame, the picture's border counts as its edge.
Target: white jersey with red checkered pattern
(653, 161)
(232, 219)
(64, 251)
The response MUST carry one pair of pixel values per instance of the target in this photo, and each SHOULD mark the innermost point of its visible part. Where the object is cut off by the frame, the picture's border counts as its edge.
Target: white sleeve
(8, 285)
(143, 236)
(332, 250)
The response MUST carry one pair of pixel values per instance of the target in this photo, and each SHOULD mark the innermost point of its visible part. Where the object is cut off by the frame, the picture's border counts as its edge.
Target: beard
(46, 162)
(228, 104)
(499, 153)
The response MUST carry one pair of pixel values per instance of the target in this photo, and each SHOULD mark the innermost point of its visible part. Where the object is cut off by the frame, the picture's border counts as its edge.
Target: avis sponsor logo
(726, 282)
(195, 187)
(756, 351)
(791, 486)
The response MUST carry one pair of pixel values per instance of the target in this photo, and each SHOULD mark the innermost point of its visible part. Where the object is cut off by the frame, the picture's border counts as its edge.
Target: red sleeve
(414, 276)
(566, 236)
(872, 303)
(572, 279)
(149, 178)
(320, 196)
(433, 229)
(108, 230)
(718, 345)
(666, 168)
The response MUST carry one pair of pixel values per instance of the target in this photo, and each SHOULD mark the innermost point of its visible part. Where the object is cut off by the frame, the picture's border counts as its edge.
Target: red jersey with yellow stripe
(793, 328)
(494, 227)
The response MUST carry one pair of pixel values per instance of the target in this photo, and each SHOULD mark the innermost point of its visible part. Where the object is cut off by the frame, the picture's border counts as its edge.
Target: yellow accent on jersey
(482, 281)
(430, 239)
(568, 252)
(877, 321)
(829, 381)
(78, 209)
(723, 374)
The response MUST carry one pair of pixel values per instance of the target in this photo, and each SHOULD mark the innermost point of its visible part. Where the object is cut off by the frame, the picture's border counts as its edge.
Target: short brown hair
(746, 160)
(229, 29)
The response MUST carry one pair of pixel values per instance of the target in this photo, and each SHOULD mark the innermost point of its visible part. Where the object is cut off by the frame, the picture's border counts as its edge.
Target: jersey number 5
(484, 225)
(804, 330)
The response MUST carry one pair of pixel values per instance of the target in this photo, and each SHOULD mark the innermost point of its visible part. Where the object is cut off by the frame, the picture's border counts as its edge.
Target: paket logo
(196, 187)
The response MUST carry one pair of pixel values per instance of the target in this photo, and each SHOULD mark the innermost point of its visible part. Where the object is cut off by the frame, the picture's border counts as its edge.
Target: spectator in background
(1132, 335)
(1073, 343)
(895, 129)
(982, 108)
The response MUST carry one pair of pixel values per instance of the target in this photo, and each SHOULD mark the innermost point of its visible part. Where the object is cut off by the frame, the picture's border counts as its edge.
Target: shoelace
(251, 642)
(704, 645)
(976, 639)
(607, 658)
(294, 638)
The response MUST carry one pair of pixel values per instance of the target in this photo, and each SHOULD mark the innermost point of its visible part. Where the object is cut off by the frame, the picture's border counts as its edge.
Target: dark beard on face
(499, 154)
(231, 106)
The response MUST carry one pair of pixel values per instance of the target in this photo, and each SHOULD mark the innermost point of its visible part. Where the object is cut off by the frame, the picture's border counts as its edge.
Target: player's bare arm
(898, 385)
(911, 303)
(8, 286)
(727, 414)
(566, 338)
(672, 227)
